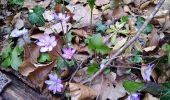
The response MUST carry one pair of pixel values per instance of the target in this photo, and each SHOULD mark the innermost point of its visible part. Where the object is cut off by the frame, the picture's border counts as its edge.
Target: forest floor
(85, 49)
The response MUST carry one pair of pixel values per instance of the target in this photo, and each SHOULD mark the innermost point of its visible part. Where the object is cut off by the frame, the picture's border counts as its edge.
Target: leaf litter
(94, 30)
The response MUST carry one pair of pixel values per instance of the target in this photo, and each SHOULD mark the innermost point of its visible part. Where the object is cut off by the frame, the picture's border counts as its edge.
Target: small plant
(36, 16)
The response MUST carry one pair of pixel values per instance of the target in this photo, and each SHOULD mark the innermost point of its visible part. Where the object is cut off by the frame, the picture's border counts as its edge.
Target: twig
(129, 42)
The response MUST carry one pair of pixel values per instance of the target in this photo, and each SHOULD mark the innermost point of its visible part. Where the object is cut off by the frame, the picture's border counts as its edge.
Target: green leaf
(149, 28)
(169, 58)
(7, 62)
(93, 68)
(132, 87)
(107, 71)
(136, 59)
(103, 49)
(6, 52)
(58, 1)
(166, 84)
(140, 21)
(91, 3)
(44, 57)
(36, 17)
(16, 61)
(60, 63)
(96, 43)
(71, 63)
(124, 19)
(69, 36)
(100, 27)
(17, 2)
(165, 95)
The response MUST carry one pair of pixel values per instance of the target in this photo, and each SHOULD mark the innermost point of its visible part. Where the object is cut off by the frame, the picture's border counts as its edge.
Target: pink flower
(68, 53)
(148, 72)
(54, 83)
(61, 17)
(47, 43)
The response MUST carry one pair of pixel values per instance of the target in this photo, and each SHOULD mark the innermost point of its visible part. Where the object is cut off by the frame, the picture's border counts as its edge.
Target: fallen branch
(130, 42)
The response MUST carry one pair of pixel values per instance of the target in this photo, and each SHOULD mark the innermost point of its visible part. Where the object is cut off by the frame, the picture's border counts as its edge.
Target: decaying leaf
(40, 74)
(150, 97)
(108, 88)
(154, 38)
(31, 53)
(81, 92)
(101, 2)
(26, 68)
(83, 19)
(118, 12)
(81, 33)
(151, 48)
(119, 43)
(32, 3)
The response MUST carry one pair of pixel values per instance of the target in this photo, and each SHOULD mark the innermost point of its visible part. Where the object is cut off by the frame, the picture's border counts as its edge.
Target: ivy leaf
(92, 68)
(44, 57)
(132, 87)
(36, 17)
(91, 3)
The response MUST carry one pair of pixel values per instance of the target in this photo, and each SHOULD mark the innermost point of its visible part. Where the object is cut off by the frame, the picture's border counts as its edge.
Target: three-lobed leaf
(132, 87)
(96, 43)
(35, 17)
(92, 68)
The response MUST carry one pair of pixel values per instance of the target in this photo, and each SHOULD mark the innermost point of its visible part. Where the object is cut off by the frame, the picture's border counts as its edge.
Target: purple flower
(47, 43)
(68, 53)
(61, 17)
(134, 96)
(148, 72)
(54, 84)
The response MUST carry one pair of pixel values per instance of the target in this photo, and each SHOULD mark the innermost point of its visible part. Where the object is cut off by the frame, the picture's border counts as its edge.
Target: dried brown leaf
(26, 68)
(31, 53)
(81, 92)
(154, 38)
(40, 74)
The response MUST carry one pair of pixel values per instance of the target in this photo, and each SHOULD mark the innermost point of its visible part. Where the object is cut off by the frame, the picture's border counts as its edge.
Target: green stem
(91, 21)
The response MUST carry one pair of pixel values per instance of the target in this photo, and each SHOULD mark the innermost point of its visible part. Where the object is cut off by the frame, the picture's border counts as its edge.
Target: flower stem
(91, 16)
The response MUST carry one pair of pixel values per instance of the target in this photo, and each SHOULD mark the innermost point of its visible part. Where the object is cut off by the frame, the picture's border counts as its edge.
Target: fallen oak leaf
(81, 92)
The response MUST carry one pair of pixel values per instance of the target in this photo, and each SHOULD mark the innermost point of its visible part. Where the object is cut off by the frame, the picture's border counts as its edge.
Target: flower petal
(44, 49)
